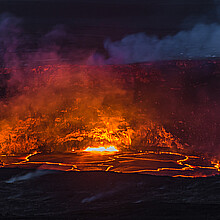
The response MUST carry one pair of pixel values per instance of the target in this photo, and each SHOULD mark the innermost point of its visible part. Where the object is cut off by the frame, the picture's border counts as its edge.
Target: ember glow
(51, 118)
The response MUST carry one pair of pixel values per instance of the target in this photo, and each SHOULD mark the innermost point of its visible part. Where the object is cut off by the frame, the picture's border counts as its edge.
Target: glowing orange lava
(110, 149)
(62, 109)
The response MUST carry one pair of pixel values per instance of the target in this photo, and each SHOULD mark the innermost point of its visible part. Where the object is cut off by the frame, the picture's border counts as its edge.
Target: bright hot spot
(110, 149)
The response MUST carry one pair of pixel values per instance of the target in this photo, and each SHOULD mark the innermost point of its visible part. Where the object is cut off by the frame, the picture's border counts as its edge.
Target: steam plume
(202, 41)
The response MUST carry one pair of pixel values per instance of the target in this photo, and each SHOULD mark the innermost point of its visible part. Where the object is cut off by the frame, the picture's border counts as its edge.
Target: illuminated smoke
(44, 106)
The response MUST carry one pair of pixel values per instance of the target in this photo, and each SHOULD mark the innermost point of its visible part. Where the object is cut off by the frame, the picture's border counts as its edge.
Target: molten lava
(58, 111)
(110, 149)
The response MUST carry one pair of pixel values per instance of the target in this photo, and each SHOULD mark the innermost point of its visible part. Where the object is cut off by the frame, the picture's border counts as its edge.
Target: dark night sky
(151, 16)
(92, 22)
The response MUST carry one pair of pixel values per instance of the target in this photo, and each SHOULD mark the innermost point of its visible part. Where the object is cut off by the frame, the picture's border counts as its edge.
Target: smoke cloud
(202, 41)
(28, 176)
(199, 39)
(18, 48)
(10, 38)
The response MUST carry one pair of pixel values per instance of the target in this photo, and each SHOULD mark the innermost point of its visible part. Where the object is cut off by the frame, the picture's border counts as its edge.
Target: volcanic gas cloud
(167, 108)
(64, 107)
(129, 108)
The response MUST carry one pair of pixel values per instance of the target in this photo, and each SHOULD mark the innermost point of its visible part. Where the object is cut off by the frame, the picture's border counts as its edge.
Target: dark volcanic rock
(101, 195)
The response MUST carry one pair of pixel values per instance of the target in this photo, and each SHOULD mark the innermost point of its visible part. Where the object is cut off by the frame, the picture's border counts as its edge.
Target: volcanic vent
(56, 115)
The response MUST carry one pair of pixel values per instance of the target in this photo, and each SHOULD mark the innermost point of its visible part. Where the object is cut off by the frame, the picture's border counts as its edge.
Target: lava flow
(126, 118)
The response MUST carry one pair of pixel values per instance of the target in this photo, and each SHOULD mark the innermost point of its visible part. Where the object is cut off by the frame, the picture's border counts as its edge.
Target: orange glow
(91, 107)
(110, 149)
